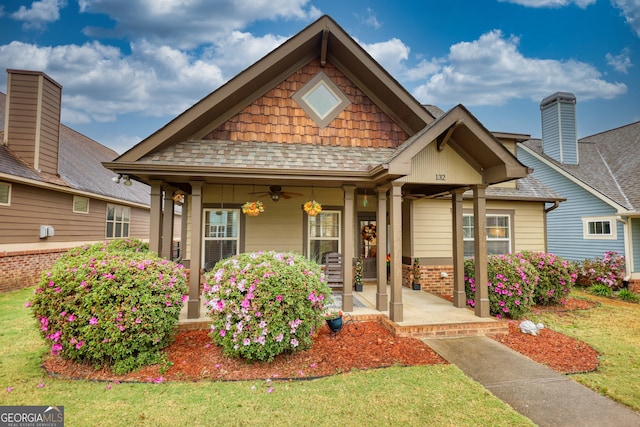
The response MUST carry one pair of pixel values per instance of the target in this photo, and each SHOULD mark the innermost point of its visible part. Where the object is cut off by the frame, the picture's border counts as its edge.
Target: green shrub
(265, 303)
(511, 281)
(601, 289)
(113, 304)
(627, 295)
(556, 277)
(608, 270)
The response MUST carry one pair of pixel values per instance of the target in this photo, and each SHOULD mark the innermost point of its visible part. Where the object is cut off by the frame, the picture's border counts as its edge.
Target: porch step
(447, 330)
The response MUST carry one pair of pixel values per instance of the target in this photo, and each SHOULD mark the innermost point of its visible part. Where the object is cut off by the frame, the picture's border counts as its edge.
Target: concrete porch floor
(425, 315)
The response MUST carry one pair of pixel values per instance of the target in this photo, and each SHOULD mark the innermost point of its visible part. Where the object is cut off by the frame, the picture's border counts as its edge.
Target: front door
(368, 246)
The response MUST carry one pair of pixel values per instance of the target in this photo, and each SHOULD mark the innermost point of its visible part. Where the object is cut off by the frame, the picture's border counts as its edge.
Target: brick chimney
(559, 131)
(32, 119)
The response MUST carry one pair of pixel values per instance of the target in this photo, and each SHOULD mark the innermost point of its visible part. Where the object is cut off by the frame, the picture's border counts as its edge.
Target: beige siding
(32, 207)
(441, 167)
(49, 127)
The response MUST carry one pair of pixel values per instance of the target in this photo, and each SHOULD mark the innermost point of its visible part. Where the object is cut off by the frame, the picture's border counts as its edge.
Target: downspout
(551, 208)
(628, 260)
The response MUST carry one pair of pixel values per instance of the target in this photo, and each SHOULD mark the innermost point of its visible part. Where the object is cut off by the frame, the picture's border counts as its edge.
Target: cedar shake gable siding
(277, 117)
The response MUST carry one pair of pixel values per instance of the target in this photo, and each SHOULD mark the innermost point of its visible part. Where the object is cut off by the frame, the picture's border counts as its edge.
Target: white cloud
(620, 62)
(40, 13)
(370, 19)
(491, 71)
(187, 24)
(392, 54)
(551, 3)
(631, 11)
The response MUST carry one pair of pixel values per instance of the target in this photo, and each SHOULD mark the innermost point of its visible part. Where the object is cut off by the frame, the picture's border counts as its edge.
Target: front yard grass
(437, 395)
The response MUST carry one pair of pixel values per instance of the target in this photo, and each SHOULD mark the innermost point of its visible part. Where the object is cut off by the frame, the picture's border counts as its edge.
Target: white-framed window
(80, 204)
(221, 235)
(5, 194)
(118, 219)
(498, 234)
(323, 234)
(599, 228)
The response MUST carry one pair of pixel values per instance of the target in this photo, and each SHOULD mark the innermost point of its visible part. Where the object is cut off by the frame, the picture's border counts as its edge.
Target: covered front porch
(425, 315)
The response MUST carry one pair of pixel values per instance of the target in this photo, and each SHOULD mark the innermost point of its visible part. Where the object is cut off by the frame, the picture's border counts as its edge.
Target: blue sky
(127, 67)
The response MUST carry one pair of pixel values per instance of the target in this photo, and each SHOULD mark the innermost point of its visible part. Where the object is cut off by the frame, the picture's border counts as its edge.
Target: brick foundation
(22, 269)
(431, 279)
(634, 285)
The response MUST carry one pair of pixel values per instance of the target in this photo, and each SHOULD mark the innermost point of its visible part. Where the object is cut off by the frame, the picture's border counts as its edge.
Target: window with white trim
(118, 219)
(323, 231)
(80, 204)
(498, 234)
(221, 235)
(5, 194)
(601, 228)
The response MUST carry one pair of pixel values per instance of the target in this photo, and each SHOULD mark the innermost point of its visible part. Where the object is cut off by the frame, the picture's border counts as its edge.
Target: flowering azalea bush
(511, 281)
(265, 303)
(112, 303)
(608, 270)
(556, 277)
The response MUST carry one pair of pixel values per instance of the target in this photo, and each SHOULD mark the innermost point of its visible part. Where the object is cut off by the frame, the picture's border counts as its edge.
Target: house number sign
(441, 177)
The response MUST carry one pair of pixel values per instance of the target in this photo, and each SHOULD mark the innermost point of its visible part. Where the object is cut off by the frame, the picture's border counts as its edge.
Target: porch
(425, 315)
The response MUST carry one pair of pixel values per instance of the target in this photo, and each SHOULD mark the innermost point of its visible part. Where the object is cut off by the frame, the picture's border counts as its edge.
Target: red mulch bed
(193, 357)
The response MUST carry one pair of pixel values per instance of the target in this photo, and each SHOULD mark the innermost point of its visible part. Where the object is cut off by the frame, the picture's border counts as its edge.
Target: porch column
(155, 218)
(459, 295)
(348, 247)
(167, 224)
(480, 250)
(395, 306)
(382, 299)
(193, 305)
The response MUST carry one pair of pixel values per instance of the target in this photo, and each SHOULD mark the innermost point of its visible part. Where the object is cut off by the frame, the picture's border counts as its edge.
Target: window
(323, 231)
(221, 235)
(80, 204)
(599, 228)
(498, 234)
(5, 194)
(118, 218)
(321, 99)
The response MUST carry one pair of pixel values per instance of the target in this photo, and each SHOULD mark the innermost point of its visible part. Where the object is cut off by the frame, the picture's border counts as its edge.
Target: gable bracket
(444, 138)
(323, 47)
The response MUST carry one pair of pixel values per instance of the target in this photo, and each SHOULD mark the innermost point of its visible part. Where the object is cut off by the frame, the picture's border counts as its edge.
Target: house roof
(608, 163)
(79, 166)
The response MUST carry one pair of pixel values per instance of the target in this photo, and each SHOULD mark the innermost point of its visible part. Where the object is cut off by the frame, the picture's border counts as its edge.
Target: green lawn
(434, 395)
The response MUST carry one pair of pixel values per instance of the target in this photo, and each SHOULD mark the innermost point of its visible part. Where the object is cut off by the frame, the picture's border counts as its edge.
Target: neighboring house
(54, 191)
(319, 119)
(599, 175)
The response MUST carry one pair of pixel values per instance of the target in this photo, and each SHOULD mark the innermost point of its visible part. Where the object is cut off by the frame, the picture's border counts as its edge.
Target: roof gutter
(556, 203)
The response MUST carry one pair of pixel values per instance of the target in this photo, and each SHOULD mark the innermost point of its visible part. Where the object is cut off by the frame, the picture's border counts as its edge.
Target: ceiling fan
(275, 193)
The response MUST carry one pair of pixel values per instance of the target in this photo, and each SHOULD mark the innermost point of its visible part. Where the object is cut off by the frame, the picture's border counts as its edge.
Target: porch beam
(444, 138)
(193, 305)
(323, 47)
(395, 306)
(459, 295)
(382, 299)
(155, 217)
(480, 250)
(167, 223)
(348, 247)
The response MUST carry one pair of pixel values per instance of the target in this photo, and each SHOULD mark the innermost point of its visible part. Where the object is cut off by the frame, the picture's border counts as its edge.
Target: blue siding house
(599, 176)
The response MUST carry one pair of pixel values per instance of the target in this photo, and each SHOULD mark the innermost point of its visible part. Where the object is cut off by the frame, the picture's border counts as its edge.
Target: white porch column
(395, 306)
(382, 299)
(193, 305)
(480, 250)
(348, 246)
(459, 295)
(155, 218)
(167, 224)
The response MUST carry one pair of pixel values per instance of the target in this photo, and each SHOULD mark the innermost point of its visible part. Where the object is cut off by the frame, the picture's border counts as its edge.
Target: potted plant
(253, 208)
(358, 276)
(415, 285)
(334, 320)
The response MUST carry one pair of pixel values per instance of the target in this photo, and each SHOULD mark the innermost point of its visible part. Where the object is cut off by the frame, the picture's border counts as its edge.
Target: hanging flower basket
(312, 208)
(252, 208)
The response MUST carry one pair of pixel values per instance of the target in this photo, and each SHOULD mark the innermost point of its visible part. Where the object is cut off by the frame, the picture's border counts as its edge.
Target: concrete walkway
(540, 394)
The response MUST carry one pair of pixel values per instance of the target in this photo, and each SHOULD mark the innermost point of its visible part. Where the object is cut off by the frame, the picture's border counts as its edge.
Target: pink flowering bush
(110, 304)
(556, 277)
(265, 303)
(608, 271)
(511, 282)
